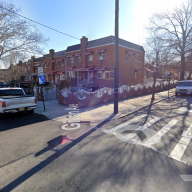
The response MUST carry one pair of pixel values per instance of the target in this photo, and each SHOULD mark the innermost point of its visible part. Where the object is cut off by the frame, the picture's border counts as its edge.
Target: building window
(99, 74)
(29, 68)
(90, 57)
(55, 64)
(46, 77)
(49, 65)
(61, 64)
(127, 57)
(134, 59)
(79, 59)
(135, 75)
(45, 65)
(71, 59)
(72, 74)
(102, 56)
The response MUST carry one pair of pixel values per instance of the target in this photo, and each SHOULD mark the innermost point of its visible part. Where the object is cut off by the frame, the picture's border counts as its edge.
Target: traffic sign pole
(41, 81)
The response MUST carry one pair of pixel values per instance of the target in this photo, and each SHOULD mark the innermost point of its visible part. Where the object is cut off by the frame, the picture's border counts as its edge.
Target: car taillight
(35, 101)
(3, 104)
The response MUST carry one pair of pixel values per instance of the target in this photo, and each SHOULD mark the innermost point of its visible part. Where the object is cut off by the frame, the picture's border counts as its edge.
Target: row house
(88, 61)
(85, 63)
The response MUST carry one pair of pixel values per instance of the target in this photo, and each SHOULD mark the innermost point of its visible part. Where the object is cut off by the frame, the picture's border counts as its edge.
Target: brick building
(86, 62)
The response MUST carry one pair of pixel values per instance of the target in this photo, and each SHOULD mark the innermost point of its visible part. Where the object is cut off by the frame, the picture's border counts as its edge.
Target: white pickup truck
(13, 100)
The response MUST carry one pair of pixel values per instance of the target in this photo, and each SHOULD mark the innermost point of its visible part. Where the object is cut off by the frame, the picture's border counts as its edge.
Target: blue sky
(93, 19)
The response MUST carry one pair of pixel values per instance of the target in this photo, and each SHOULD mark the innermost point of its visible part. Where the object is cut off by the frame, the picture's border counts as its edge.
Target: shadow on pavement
(51, 144)
(17, 120)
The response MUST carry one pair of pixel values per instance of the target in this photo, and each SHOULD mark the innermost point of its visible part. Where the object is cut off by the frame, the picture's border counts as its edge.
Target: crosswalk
(169, 138)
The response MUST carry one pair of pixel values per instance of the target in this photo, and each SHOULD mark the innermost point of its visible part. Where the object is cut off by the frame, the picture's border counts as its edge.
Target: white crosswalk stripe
(125, 124)
(154, 141)
(162, 132)
(181, 146)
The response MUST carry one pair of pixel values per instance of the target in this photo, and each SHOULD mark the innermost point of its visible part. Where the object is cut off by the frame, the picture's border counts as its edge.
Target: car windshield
(11, 92)
(184, 84)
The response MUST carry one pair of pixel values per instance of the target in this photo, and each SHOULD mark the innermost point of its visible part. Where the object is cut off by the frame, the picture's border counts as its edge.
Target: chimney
(51, 53)
(33, 59)
(84, 42)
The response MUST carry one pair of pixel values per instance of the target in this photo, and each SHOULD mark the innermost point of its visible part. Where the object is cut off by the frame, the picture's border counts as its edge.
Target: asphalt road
(144, 151)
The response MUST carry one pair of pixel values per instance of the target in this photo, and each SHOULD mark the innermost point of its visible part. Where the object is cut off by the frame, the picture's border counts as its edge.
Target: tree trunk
(153, 92)
(182, 67)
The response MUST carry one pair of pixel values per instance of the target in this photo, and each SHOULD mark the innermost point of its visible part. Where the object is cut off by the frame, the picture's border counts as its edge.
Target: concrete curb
(118, 117)
(145, 107)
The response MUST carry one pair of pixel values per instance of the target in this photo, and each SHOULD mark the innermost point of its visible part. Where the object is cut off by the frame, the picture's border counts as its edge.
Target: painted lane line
(185, 110)
(188, 133)
(133, 137)
(146, 125)
(186, 177)
(180, 148)
(162, 132)
(126, 123)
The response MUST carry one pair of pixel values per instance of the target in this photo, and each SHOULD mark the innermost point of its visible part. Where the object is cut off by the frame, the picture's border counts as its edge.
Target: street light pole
(116, 71)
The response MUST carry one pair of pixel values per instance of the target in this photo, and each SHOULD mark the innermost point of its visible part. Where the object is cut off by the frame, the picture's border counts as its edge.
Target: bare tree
(18, 37)
(157, 54)
(177, 27)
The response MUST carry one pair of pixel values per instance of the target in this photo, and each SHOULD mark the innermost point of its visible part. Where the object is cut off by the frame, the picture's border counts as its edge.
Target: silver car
(184, 87)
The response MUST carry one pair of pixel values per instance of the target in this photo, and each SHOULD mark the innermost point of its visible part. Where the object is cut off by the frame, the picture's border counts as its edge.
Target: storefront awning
(78, 54)
(59, 60)
(70, 67)
(128, 52)
(101, 68)
(71, 55)
(86, 69)
(101, 50)
(89, 53)
(37, 65)
(51, 72)
(60, 72)
(34, 74)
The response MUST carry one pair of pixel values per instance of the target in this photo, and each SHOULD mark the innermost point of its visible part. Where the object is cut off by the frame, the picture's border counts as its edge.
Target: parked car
(14, 100)
(3, 85)
(184, 87)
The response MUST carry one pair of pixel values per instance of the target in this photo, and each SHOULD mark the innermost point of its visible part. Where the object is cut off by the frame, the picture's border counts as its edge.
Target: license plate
(21, 109)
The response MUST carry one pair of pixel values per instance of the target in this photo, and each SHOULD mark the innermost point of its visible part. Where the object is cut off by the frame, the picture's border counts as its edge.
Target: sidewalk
(98, 113)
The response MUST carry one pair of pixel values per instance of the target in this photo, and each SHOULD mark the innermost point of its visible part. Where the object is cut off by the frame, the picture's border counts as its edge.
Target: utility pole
(116, 67)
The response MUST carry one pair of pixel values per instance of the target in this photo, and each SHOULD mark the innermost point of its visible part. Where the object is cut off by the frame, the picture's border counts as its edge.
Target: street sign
(40, 71)
(41, 80)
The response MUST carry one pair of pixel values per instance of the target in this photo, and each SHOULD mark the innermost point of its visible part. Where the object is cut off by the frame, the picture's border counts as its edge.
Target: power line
(40, 23)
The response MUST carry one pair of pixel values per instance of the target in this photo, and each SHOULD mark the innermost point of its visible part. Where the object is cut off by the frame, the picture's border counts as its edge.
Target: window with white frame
(72, 74)
(72, 60)
(49, 65)
(100, 74)
(45, 65)
(46, 78)
(134, 59)
(29, 68)
(102, 56)
(79, 59)
(90, 57)
(61, 63)
(55, 64)
(136, 74)
(127, 57)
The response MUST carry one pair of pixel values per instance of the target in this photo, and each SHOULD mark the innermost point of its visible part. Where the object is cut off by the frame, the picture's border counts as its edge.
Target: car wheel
(30, 112)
